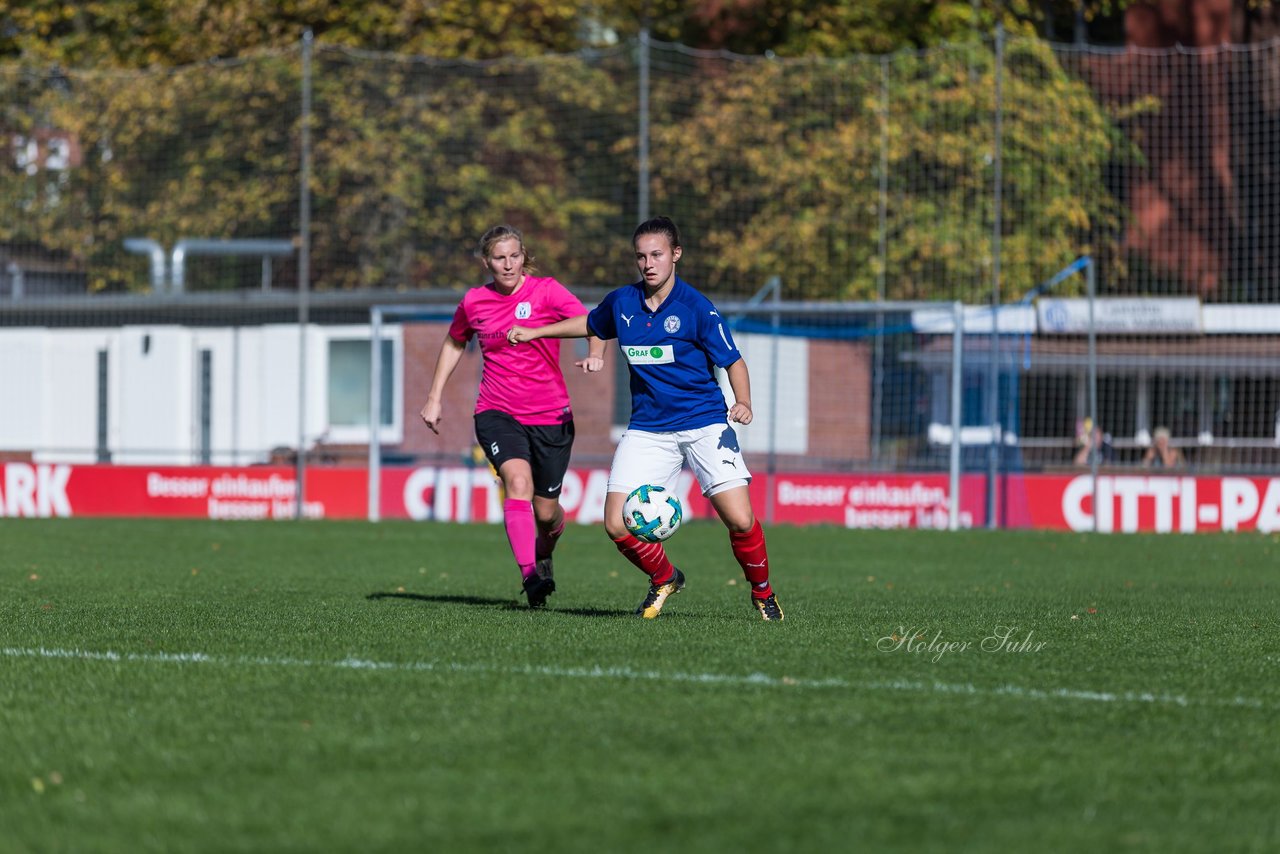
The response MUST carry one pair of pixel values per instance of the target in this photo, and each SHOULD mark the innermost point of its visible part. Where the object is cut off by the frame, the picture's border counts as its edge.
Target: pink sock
(521, 532)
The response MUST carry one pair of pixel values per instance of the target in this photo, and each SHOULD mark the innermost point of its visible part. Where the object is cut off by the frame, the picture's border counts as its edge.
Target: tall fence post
(642, 178)
(304, 272)
(775, 328)
(375, 413)
(957, 389)
(993, 370)
(882, 249)
(1095, 452)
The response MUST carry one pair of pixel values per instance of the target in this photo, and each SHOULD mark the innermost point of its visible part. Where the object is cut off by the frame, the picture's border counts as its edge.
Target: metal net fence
(173, 201)
(967, 171)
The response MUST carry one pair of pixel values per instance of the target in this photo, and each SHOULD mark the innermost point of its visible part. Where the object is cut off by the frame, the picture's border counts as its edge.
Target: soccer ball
(651, 513)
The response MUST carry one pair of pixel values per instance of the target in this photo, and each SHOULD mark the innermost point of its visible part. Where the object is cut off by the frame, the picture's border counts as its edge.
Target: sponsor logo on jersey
(523, 310)
(627, 319)
(650, 355)
(671, 324)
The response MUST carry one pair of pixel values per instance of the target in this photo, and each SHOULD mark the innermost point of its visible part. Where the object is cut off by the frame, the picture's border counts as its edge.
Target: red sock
(752, 555)
(649, 558)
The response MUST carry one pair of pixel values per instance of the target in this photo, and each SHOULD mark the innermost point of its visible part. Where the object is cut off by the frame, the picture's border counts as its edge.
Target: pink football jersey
(523, 380)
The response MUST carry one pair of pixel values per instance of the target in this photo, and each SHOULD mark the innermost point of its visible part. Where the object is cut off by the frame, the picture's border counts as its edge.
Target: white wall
(49, 391)
(152, 395)
(269, 372)
(68, 418)
(791, 384)
(22, 373)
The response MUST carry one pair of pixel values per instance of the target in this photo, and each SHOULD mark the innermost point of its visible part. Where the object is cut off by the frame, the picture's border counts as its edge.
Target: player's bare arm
(740, 382)
(446, 363)
(595, 356)
(571, 327)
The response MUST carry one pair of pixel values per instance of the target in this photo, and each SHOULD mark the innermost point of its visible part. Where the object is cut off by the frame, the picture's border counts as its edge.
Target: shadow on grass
(453, 600)
(593, 612)
(506, 604)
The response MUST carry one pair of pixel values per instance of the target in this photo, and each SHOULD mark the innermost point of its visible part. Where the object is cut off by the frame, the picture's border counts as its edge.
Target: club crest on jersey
(671, 324)
(523, 311)
(650, 355)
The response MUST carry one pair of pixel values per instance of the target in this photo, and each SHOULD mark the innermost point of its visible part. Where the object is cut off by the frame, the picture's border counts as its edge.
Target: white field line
(630, 674)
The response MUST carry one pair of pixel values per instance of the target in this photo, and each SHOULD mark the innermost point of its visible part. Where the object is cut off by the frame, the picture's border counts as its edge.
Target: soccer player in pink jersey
(523, 418)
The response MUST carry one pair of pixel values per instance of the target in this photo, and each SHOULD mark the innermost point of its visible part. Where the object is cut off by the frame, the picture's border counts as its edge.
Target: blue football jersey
(671, 353)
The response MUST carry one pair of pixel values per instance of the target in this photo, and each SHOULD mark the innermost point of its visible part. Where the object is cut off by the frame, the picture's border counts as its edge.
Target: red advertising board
(190, 492)
(1160, 504)
(1127, 502)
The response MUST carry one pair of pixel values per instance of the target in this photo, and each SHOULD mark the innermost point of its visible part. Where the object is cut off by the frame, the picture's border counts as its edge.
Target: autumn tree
(780, 167)
(434, 119)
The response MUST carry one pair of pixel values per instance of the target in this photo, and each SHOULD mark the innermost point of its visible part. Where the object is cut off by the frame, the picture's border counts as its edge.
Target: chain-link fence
(158, 213)
(949, 173)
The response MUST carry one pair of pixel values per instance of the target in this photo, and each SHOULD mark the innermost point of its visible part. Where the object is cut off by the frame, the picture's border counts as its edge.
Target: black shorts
(546, 447)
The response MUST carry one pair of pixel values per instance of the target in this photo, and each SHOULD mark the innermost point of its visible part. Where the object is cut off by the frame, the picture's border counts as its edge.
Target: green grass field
(202, 686)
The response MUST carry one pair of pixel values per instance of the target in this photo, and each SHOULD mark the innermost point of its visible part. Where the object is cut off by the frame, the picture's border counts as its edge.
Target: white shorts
(712, 453)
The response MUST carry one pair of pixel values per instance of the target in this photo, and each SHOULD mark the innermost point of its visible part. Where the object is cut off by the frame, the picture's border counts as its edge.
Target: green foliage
(772, 167)
(140, 173)
(794, 151)
(104, 33)
(413, 161)
(141, 33)
(809, 28)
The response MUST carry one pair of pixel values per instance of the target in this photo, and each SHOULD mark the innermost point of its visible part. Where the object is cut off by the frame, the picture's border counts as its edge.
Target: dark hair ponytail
(658, 225)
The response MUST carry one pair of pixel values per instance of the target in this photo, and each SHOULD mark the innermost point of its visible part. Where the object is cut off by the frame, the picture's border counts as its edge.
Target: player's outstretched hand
(431, 415)
(740, 412)
(590, 365)
(519, 334)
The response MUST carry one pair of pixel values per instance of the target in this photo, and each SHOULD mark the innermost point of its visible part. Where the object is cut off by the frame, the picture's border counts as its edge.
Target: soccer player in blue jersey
(672, 338)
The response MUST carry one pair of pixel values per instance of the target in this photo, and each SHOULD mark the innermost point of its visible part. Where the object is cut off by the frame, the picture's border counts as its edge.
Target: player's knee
(547, 517)
(740, 523)
(519, 486)
(614, 528)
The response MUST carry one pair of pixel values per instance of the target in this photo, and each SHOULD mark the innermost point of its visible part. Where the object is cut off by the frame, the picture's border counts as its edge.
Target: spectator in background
(523, 420)
(1161, 454)
(1091, 438)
